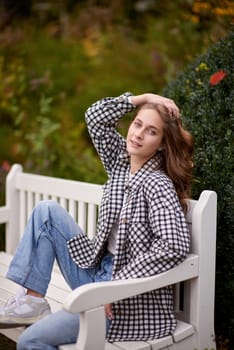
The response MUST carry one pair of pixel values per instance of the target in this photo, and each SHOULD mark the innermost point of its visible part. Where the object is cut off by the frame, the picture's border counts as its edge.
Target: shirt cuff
(130, 100)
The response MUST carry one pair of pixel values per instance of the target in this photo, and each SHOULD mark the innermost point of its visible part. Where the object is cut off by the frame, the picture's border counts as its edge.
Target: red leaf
(217, 77)
(5, 166)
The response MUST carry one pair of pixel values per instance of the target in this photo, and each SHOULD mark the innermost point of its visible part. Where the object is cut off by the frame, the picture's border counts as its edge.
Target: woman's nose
(139, 133)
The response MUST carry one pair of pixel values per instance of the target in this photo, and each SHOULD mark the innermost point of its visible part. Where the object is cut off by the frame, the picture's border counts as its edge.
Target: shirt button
(124, 220)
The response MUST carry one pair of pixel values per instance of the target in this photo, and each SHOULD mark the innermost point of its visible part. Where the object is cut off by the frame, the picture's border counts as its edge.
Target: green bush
(37, 128)
(205, 93)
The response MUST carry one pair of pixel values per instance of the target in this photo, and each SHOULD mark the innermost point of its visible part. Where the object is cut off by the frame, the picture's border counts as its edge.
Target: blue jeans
(44, 240)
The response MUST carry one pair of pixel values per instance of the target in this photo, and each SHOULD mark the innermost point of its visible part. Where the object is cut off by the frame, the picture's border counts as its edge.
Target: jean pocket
(105, 271)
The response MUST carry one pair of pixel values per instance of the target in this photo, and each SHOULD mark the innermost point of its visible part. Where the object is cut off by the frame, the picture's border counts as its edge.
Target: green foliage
(56, 147)
(37, 129)
(206, 100)
(55, 63)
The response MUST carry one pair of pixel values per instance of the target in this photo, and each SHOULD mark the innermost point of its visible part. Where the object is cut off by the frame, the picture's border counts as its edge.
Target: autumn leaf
(217, 77)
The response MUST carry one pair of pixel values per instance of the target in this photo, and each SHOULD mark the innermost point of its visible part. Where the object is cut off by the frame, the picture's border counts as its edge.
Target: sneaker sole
(13, 323)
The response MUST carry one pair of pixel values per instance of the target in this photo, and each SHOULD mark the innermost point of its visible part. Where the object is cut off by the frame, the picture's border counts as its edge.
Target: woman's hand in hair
(173, 109)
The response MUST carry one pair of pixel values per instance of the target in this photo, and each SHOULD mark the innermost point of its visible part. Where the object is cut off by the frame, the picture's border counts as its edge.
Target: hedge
(205, 93)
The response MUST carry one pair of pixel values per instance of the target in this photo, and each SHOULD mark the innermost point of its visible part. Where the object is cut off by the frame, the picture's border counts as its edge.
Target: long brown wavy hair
(177, 152)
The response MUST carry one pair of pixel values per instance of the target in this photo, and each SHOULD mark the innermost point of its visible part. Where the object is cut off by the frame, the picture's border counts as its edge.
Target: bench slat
(4, 214)
(136, 345)
(12, 333)
(162, 343)
(183, 330)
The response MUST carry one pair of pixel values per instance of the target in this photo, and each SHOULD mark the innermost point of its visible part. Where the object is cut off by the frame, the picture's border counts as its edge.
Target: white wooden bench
(194, 279)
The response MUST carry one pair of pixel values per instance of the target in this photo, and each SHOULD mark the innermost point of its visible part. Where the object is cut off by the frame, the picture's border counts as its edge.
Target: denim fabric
(50, 332)
(44, 240)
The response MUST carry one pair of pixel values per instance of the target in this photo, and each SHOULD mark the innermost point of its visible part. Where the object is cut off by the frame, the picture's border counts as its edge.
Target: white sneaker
(23, 310)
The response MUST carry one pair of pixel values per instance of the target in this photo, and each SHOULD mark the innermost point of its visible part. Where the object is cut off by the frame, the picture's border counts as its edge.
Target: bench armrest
(89, 299)
(96, 294)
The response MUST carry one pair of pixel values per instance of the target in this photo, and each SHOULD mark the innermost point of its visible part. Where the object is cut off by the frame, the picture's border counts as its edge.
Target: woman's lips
(135, 144)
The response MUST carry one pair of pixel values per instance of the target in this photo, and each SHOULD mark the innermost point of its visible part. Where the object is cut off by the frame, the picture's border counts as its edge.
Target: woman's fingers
(108, 311)
(172, 109)
(167, 102)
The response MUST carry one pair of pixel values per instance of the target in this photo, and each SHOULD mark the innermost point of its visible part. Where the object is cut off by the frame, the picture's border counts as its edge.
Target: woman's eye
(137, 124)
(152, 132)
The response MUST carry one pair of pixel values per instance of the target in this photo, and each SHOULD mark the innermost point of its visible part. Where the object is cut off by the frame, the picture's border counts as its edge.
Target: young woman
(141, 228)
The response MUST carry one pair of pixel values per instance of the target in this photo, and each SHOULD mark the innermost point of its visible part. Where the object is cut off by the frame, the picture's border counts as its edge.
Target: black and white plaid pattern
(152, 235)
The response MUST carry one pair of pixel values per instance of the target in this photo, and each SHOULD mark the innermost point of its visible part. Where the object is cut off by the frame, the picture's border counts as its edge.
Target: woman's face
(145, 135)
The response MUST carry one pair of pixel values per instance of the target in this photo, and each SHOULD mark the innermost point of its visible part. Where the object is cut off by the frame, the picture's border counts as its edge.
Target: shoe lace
(16, 298)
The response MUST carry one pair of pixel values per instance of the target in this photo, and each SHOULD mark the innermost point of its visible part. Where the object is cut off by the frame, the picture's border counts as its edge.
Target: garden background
(56, 58)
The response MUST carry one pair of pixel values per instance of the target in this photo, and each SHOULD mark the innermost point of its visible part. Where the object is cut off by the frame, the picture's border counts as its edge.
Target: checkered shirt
(152, 234)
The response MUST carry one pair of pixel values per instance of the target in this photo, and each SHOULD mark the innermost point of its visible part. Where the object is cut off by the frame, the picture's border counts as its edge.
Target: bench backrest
(82, 199)
(24, 190)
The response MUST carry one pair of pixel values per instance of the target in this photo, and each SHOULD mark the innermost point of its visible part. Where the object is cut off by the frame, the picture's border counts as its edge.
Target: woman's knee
(48, 205)
(48, 210)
